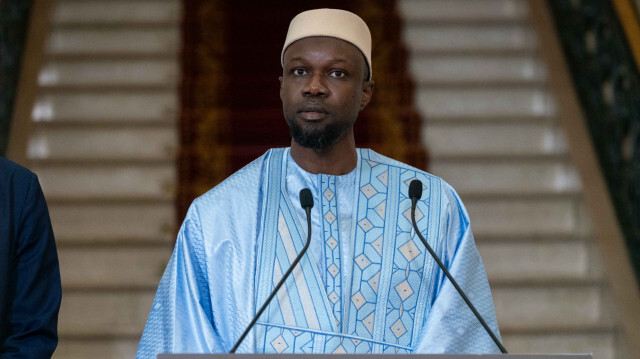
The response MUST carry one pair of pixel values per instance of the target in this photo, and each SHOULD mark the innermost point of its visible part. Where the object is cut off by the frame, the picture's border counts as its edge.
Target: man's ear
(367, 92)
(281, 86)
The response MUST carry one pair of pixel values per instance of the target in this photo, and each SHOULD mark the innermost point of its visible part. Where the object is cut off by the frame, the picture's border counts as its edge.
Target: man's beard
(317, 139)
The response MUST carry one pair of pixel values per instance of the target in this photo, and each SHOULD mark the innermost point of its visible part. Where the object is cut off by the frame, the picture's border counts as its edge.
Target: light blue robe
(366, 284)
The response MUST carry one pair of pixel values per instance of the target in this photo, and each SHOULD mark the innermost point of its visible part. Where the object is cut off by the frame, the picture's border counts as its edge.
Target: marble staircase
(491, 128)
(103, 145)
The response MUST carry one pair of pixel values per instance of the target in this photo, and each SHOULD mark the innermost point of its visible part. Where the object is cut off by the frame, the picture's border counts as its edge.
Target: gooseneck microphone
(415, 193)
(306, 202)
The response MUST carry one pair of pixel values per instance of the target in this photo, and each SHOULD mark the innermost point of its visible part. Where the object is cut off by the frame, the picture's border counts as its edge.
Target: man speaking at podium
(367, 283)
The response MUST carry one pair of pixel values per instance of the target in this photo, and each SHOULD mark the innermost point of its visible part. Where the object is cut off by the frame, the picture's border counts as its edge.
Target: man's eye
(338, 74)
(299, 72)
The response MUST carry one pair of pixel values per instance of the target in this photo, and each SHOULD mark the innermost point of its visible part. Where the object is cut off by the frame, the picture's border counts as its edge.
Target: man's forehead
(311, 46)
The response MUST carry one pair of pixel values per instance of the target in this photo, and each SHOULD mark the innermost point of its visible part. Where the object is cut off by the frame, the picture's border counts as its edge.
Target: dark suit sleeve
(33, 315)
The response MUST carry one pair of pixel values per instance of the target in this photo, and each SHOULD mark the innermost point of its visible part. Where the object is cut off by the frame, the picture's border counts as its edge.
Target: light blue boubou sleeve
(450, 325)
(204, 299)
(180, 319)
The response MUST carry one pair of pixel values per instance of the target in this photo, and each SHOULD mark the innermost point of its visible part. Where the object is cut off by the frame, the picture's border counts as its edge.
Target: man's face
(322, 90)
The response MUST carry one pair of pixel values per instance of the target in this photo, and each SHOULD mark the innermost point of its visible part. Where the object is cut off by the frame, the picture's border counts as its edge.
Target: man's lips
(312, 112)
(312, 115)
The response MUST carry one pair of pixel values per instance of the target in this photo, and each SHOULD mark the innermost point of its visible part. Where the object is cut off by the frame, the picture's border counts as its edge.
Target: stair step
(103, 41)
(482, 138)
(116, 25)
(483, 69)
(556, 306)
(133, 143)
(452, 21)
(79, 89)
(523, 261)
(516, 196)
(123, 72)
(161, 199)
(482, 237)
(484, 102)
(102, 122)
(112, 266)
(504, 10)
(104, 313)
(471, 53)
(90, 125)
(82, 181)
(489, 119)
(104, 222)
(113, 106)
(502, 157)
(111, 56)
(96, 348)
(496, 176)
(100, 162)
(533, 217)
(92, 12)
(121, 241)
(118, 241)
(600, 345)
(602, 328)
(473, 84)
(592, 280)
(427, 37)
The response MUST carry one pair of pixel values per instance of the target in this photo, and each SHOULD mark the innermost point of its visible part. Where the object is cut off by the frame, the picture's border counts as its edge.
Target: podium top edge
(375, 356)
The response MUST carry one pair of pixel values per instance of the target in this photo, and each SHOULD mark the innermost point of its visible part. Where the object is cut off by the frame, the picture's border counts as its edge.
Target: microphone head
(306, 199)
(415, 189)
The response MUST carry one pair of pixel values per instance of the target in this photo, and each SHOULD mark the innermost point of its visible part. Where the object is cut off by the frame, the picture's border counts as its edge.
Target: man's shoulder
(234, 198)
(10, 169)
(244, 182)
(372, 156)
(14, 178)
(444, 187)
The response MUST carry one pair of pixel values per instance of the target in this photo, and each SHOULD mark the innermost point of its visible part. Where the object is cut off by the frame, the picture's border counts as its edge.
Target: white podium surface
(375, 356)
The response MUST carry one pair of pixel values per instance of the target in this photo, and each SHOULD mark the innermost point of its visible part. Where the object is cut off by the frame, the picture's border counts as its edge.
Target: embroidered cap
(341, 24)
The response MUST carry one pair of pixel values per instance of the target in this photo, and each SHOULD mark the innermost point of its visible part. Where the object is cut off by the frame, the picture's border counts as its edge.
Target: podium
(375, 356)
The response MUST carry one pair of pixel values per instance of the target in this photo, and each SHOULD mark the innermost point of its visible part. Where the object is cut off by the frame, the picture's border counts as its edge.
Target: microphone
(306, 202)
(415, 193)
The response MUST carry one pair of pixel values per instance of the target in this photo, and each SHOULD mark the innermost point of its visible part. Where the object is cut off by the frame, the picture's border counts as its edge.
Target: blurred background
(128, 110)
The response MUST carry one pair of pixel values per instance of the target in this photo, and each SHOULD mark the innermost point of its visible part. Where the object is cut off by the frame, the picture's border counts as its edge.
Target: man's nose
(316, 86)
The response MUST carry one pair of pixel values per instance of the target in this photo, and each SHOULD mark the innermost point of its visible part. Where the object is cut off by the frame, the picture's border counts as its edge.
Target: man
(367, 284)
(29, 275)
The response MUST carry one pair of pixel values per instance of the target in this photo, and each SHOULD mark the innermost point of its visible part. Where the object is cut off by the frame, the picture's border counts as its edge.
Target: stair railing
(608, 84)
(23, 28)
(594, 79)
(14, 22)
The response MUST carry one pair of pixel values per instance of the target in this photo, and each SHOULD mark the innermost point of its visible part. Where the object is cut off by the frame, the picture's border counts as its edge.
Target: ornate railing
(14, 23)
(606, 78)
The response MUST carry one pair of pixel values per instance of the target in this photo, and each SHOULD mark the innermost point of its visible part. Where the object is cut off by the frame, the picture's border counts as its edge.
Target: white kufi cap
(341, 24)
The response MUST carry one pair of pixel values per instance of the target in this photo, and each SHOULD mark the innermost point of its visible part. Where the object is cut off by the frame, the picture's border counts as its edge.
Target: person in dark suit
(30, 291)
